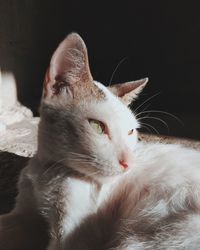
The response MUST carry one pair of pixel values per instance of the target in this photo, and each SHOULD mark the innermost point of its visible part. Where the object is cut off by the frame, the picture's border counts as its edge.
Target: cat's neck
(57, 185)
(47, 168)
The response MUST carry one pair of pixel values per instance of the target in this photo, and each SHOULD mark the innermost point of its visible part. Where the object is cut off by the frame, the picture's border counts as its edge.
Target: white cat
(91, 184)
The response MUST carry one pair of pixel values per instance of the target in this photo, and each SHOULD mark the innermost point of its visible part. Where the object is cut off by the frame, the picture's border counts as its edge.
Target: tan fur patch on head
(80, 91)
(88, 90)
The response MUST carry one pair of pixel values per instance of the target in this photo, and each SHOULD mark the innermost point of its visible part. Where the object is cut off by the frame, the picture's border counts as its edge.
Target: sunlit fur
(155, 205)
(68, 126)
(75, 187)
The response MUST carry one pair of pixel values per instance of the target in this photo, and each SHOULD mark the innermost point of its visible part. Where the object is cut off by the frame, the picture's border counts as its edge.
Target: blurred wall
(159, 39)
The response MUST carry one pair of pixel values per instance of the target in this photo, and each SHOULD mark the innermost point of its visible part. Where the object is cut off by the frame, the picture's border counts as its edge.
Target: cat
(92, 184)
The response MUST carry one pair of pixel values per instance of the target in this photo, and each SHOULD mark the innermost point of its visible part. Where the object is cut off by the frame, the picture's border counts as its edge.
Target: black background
(158, 39)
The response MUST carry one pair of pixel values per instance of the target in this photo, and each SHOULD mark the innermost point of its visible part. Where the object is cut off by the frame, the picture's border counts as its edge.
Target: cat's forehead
(113, 109)
(89, 91)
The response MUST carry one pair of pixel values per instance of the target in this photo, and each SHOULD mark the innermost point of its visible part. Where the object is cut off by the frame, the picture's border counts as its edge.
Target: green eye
(98, 126)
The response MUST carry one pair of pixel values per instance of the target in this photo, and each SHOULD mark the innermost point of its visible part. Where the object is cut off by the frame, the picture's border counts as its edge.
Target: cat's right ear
(127, 92)
(69, 65)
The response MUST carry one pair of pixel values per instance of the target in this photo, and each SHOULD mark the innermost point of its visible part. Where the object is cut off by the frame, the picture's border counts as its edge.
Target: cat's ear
(69, 65)
(128, 91)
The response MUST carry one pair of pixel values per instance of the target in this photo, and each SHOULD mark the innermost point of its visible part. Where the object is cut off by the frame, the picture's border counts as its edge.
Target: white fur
(161, 182)
(78, 205)
(77, 184)
(171, 174)
(118, 114)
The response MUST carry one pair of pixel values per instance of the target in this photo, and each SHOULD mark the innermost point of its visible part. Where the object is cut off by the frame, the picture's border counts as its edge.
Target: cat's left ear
(128, 91)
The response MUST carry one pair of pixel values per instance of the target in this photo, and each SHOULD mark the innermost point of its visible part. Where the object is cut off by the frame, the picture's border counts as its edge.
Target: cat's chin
(88, 172)
(108, 179)
(111, 177)
(105, 179)
(101, 178)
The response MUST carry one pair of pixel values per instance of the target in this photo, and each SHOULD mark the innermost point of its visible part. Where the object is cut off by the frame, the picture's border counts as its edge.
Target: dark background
(158, 39)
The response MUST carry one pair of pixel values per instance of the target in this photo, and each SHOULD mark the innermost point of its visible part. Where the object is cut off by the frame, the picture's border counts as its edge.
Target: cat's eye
(131, 132)
(99, 127)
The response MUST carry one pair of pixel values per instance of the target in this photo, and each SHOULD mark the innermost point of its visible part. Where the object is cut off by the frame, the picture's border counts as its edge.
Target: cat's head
(85, 125)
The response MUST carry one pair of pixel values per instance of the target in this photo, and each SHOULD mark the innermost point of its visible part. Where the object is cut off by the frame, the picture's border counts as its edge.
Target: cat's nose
(123, 164)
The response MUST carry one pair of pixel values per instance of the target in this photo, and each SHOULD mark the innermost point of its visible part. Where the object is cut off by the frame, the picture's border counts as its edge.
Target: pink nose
(123, 163)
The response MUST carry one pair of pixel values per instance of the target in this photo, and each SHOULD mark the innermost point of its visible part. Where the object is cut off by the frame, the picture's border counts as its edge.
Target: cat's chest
(79, 203)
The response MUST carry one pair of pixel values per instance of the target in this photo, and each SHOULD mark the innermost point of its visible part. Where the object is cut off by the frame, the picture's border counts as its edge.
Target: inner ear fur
(69, 65)
(128, 91)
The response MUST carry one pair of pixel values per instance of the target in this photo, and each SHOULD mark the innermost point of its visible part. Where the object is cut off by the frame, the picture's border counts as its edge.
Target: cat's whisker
(89, 159)
(82, 158)
(52, 166)
(115, 70)
(147, 100)
(150, 127)
(155, 118)
(94, 173)
(80, 155)
(145, 108)
(162, 112)
(154, 129)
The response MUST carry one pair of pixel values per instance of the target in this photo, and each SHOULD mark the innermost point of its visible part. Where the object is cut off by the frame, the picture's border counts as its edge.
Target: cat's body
(151, 207)
(91, 185)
